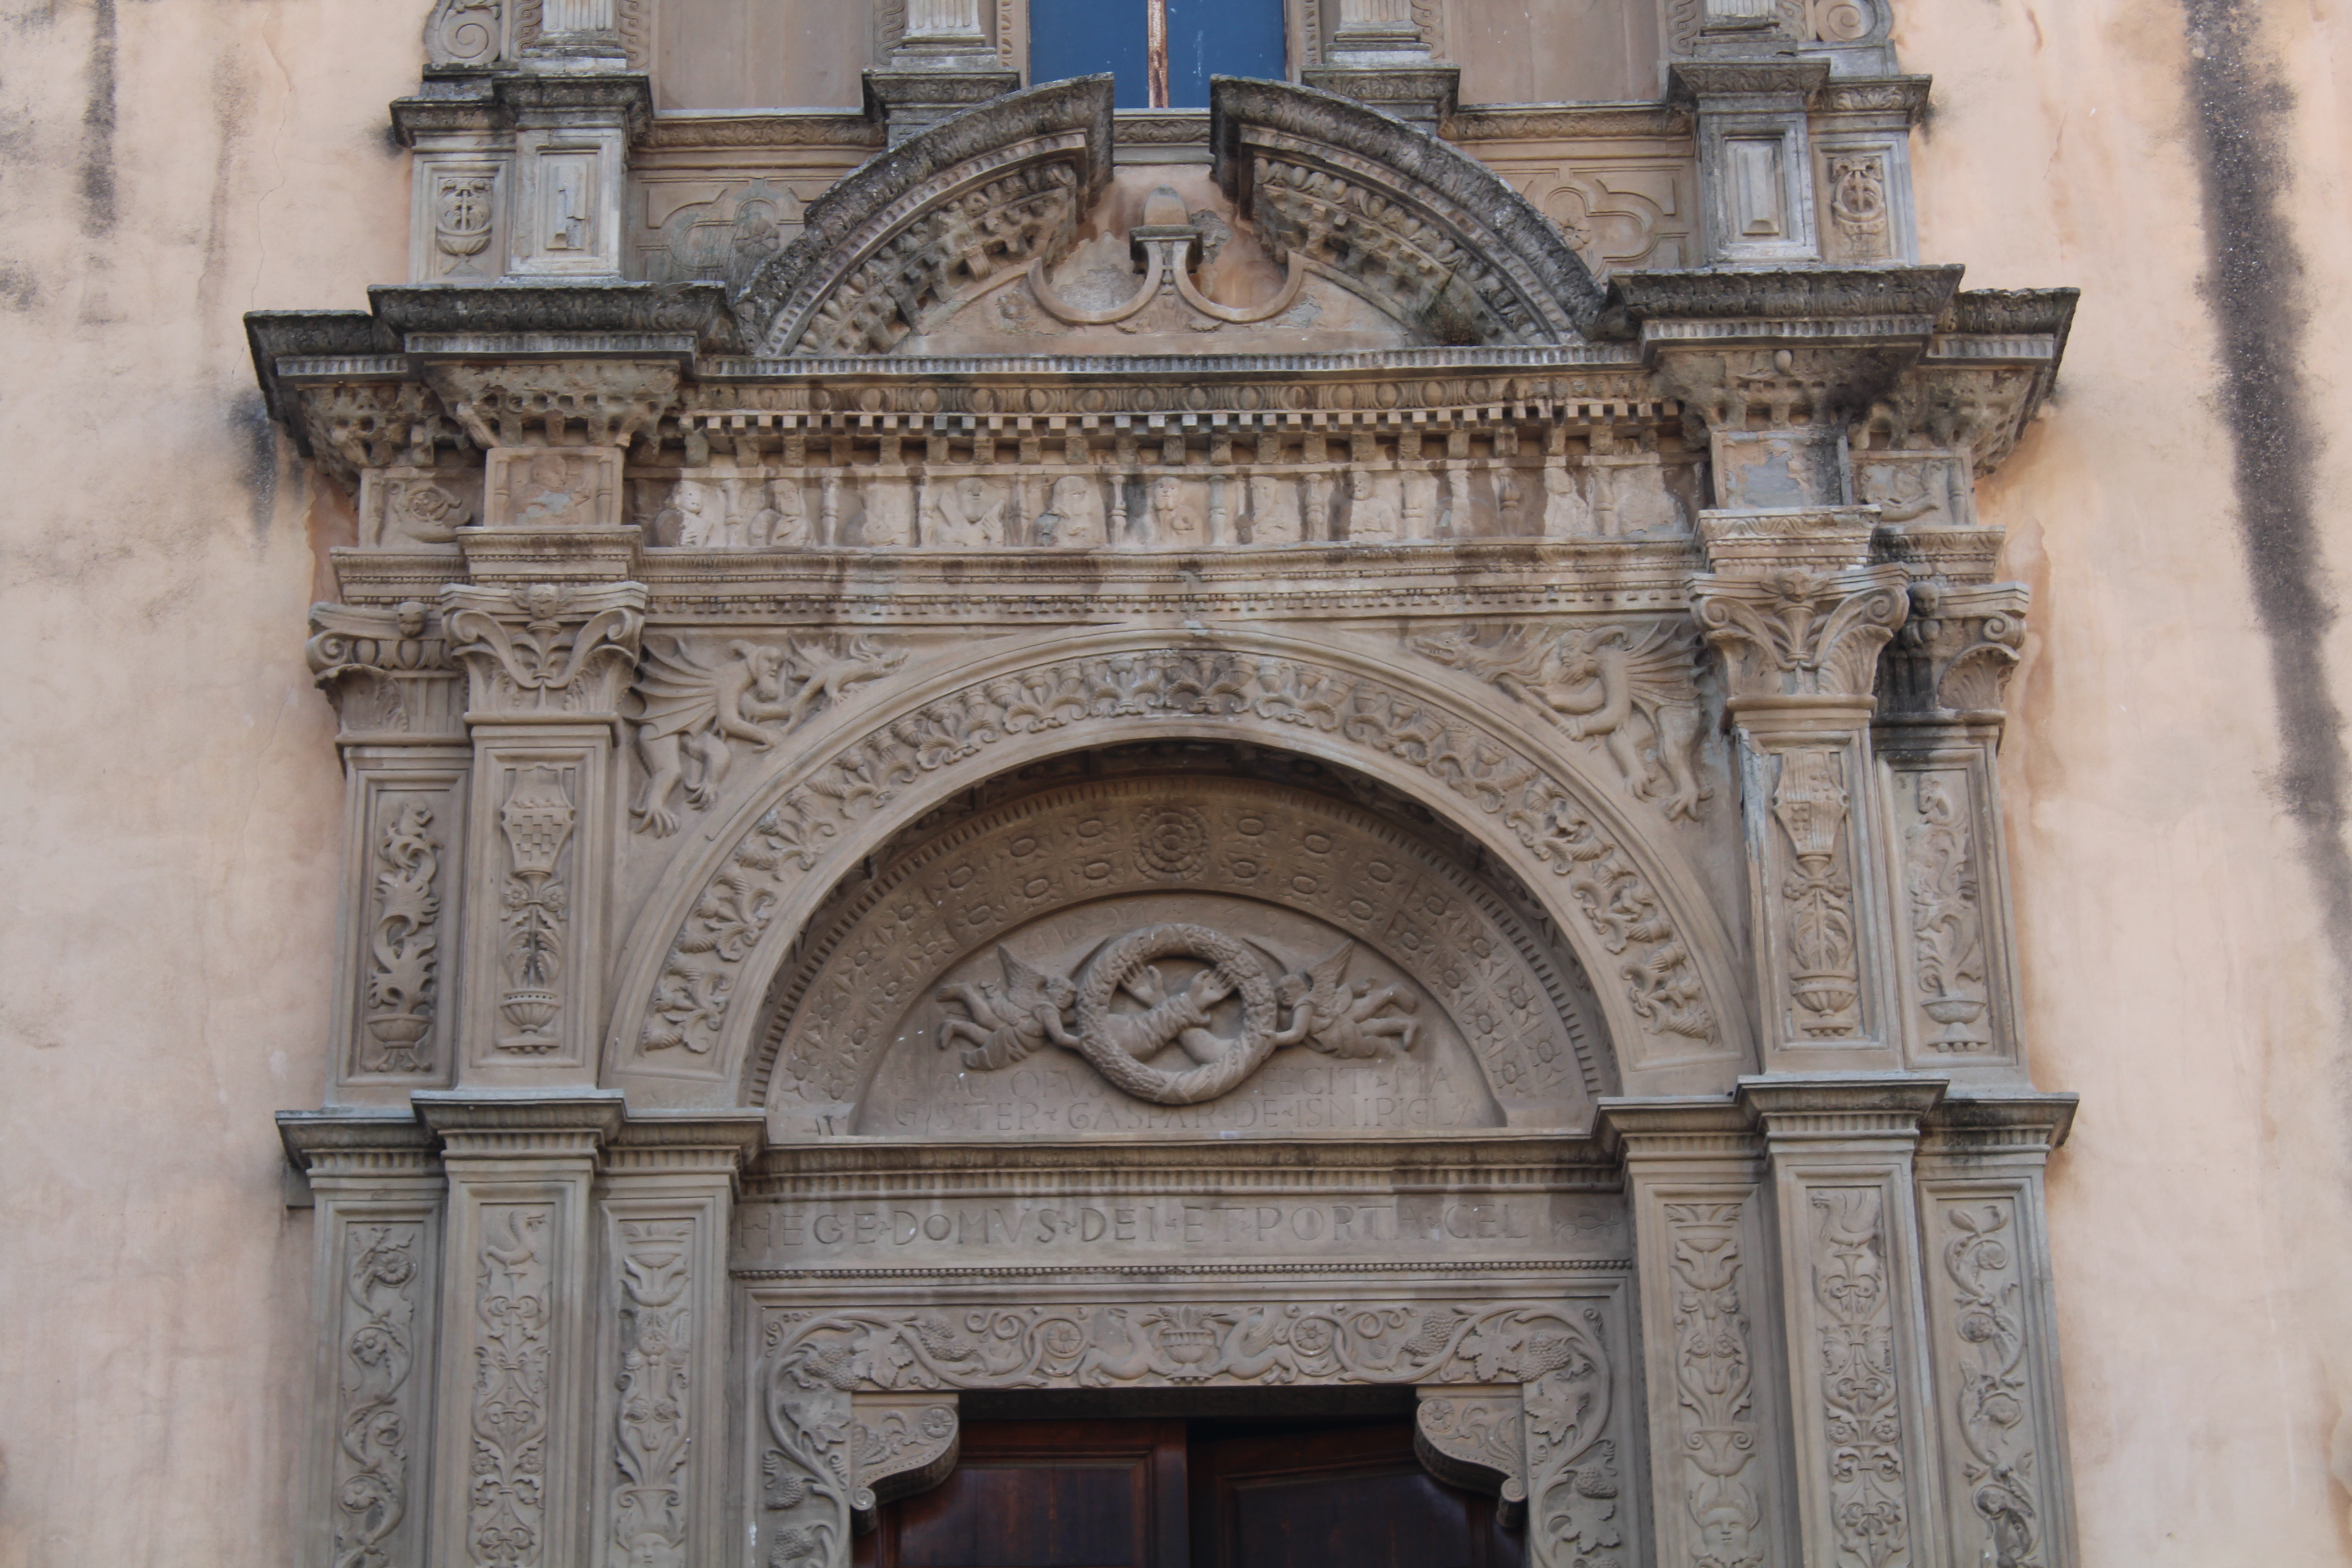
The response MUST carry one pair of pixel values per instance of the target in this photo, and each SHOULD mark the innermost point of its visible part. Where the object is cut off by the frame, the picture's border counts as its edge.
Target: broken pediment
(1325, 228)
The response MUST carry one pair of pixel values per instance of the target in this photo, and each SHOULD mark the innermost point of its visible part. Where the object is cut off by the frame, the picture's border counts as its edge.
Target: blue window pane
(1087, 38)
(1205, 39)
(1220, 38)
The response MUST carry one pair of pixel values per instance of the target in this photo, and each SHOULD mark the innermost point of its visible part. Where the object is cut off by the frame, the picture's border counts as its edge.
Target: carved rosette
(546, 648)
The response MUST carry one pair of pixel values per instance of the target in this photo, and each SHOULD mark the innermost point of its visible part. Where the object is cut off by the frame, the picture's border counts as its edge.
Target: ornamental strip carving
(538, 819)
(814, 1363)
(657, 1345)
(1861, 1410)
(1810, 802)
(1715, 1371)
(374, 1486)
(1993, 1404)
(1947, 950)
(700, 981)
(401, 944)
(514, 1282)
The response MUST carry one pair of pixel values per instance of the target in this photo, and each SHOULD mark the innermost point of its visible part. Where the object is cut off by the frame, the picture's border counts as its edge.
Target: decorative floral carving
(1478, 1442)
(1858, 204)
(378, 1352)
(1659, 976)
(1947, 926)
(1795, 634)
(1994, 1402)
(514, 1276)
(1861, 1411)
(401, 978)
(464, 213)
(687, 711)
(656, 1346)
(1810, 805)
(1714, 1380)
(1573, 1486)
(537, 819)
(1610, 686)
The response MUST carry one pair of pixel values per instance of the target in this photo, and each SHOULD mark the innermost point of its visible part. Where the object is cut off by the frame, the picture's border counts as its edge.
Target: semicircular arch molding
(1424, 997)
(724, 917)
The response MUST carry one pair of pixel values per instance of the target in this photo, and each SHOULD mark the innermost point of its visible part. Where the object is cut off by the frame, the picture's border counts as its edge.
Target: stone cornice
(520, 1127)
(476, 102)
(1566, 121)
(1986, 1123)
(1792, 293)
(1832, 1107)
(1713, 1126)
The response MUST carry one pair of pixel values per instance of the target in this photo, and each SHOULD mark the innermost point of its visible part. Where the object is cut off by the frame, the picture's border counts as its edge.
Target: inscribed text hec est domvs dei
(1072, 732)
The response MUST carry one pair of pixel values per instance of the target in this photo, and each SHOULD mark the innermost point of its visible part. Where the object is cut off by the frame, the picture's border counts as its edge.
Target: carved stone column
(377, 1190)
(664, 1208)
(1993, 1328)
(1798, 623)
(549, 662)
(513, 1450)
(406, 765)
(1711, 1333)
(1868, 1482)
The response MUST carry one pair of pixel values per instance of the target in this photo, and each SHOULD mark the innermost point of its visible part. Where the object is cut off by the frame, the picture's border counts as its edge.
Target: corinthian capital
(546, 649)
(1793, 637)
(1954, 656)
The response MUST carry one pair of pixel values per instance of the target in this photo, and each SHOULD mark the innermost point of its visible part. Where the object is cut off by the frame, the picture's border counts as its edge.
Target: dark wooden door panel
(1355, 1497)
(1063, 1494)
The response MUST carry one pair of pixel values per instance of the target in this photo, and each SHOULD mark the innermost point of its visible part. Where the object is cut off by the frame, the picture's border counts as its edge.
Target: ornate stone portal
(1100, 781)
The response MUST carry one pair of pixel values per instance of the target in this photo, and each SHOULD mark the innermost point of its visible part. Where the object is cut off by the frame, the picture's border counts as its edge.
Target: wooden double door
(1177, 1494)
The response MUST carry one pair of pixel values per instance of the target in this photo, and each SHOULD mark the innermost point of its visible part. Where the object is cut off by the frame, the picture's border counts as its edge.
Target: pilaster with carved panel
(514, 1450)
(1798, 623)
(1992, 1323)
(1868, 1479)
(1711, 1333)
(377, 1191)
(548, 663)
(665, 1201)
(406, 767)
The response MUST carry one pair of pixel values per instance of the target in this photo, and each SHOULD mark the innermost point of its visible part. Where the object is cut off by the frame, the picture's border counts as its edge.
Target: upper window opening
(1163, 52)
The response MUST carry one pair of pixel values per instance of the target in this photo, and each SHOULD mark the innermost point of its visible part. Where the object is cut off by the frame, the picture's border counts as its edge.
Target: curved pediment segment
(1433, 236)
(916, 230)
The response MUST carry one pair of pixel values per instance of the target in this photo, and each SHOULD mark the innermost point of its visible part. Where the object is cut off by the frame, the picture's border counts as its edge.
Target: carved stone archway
(729, 910)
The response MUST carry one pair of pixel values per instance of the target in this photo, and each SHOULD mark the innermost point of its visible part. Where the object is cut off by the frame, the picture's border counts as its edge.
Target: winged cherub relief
(1610, 684)
(1006, 1024)
(687, 713)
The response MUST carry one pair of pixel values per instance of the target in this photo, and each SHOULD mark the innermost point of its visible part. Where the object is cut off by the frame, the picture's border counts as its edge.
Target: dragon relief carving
(1006, 1024)
(694, 992)
(1633, 689)
(687, 711)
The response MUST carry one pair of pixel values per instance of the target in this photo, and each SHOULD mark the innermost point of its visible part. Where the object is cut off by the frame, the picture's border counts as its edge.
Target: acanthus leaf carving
(1575, 1490)
(651, 1448)
(1957, 650)
(687, 711)
(374, 1486)
(401, 980)
(1477, 1438)
(1799, 633)
(1660, 975)
(1610, 686)
(545, 646)
(1948, 950)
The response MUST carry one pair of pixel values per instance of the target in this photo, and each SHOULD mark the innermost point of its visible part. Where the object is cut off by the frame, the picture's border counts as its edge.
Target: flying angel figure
(1008, 1025)
(1598, 683)
(1330, 1016)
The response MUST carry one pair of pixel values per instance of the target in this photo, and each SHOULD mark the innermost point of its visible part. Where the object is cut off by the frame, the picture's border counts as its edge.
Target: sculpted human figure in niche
(1175, 525)
(1372, 517)
(1565, 514)
(1073, 518)
(966, 516)
(550, 492)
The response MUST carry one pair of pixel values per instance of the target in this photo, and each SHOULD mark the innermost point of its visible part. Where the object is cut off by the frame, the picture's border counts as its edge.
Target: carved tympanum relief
(1104, 958)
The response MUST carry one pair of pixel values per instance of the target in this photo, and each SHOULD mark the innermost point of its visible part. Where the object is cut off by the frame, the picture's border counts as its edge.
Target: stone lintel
(1855, 1108)
(1747, 84)
(478, 1124)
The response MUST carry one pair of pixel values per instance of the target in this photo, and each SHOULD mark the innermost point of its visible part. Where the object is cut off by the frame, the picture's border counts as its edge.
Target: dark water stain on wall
(2253, 287)
(96, 181)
